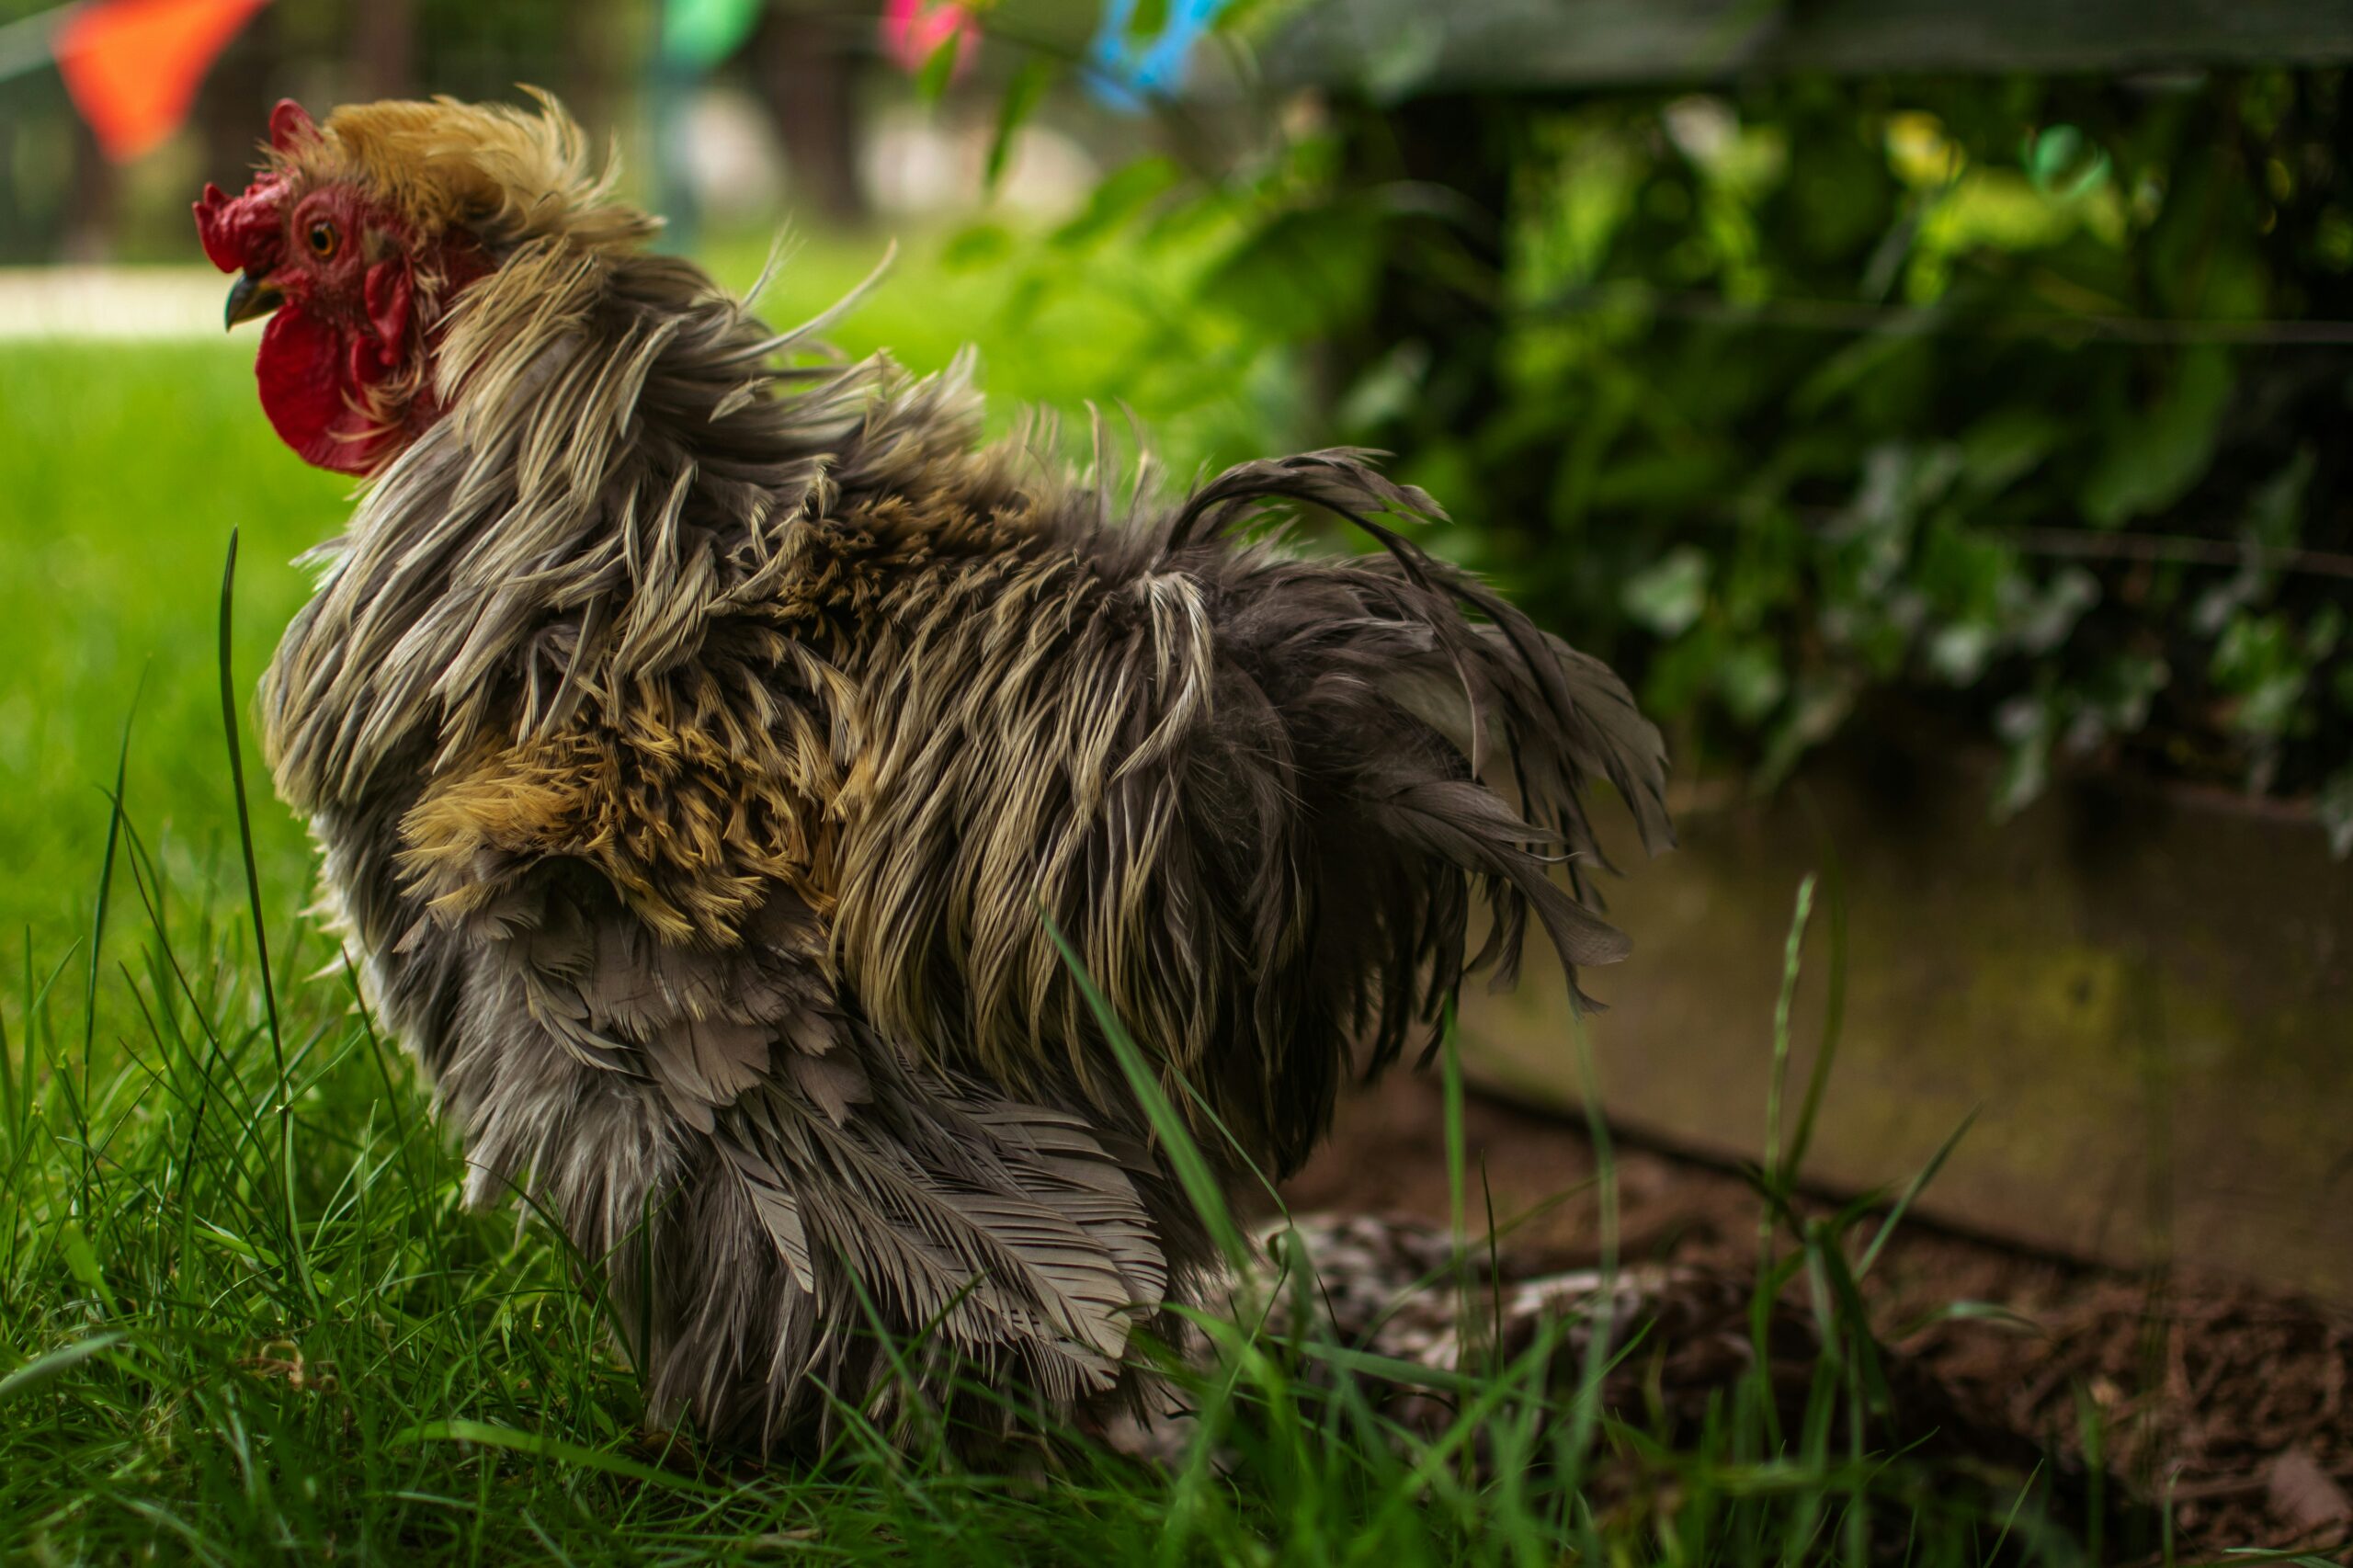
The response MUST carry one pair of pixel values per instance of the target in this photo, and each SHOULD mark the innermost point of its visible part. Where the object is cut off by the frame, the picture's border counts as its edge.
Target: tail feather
(1461, 733)
(1259, 793)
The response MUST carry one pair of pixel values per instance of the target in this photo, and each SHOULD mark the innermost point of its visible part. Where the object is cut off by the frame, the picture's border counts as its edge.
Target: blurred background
(1940, 415)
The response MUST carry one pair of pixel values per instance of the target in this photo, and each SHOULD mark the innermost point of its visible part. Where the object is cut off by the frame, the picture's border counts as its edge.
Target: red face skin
(343, 366)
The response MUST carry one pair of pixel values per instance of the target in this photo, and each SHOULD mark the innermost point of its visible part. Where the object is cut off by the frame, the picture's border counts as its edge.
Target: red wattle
(388, 291)
(307, 390)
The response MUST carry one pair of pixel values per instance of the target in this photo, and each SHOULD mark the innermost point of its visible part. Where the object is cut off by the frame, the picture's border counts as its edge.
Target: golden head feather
(505, 174)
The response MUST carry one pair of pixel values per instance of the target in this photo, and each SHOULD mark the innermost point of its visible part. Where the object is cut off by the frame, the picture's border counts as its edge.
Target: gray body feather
(694, 748)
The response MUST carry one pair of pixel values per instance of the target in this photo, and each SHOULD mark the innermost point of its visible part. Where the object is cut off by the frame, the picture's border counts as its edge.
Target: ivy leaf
(2155, 458)
(1388, 391)
(2334, 809)
(1021, 98)
(2257, 661)
(2129, 684)
(2323, 632)
(1819, 707)
(2063, 163)
(1405, 57)
(1750, 679)
(2045, 622)
(1960, 651)
(1667, 596)
(2005, 446)
(2024, 724)
(2274, 515)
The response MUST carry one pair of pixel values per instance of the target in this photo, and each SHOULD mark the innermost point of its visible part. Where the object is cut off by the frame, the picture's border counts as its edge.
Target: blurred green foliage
(1969, 392)
(2014, 406)
(59, 200)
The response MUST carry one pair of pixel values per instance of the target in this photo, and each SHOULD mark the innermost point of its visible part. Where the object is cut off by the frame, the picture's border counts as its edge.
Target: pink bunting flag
(913, 30)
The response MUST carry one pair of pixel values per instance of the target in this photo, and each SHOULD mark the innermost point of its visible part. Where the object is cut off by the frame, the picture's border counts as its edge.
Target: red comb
(290, 122)
(241, 233)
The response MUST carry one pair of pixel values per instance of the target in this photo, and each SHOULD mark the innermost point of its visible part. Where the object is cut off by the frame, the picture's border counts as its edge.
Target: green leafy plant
(2016, 405)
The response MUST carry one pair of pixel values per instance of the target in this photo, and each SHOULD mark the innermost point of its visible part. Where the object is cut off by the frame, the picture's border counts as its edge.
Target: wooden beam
(2144, 1002)
(1399, 49)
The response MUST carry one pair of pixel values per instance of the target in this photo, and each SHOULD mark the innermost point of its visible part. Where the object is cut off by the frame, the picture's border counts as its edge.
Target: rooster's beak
(250, 296)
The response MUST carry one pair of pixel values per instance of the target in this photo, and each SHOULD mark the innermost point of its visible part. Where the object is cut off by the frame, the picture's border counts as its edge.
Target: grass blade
(541, 1447)
(43, 1370)
(1777, 1083)
(98, 917)
(261, 934)
(1834, 1016)
(1919, 1184)
(1192, 1167)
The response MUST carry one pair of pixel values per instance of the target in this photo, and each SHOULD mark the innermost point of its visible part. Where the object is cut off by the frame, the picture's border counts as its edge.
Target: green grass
(225, 1347)
(242, 1313)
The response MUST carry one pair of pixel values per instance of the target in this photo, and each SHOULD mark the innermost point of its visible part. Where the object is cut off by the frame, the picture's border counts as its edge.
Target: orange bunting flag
(134, 65)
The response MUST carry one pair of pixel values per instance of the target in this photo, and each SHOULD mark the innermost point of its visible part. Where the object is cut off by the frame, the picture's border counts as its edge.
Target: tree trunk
(384, 49)
(1424, 294)
(807, 75)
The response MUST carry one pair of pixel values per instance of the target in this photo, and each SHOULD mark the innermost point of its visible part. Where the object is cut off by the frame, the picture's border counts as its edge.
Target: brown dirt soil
(2229, 1402)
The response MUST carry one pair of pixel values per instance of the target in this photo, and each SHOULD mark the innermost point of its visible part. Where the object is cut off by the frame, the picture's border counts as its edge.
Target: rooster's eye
(323, 239)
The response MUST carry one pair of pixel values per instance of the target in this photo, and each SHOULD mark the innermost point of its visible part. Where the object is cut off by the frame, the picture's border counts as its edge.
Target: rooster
(712, 748)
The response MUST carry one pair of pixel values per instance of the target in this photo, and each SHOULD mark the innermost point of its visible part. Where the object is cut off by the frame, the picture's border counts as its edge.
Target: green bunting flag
(702, 33)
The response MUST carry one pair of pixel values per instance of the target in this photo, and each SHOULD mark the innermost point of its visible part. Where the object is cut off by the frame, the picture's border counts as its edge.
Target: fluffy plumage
(695, 745)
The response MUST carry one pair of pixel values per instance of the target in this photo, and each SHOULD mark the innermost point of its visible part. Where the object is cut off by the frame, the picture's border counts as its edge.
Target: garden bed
(2229, 1401)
